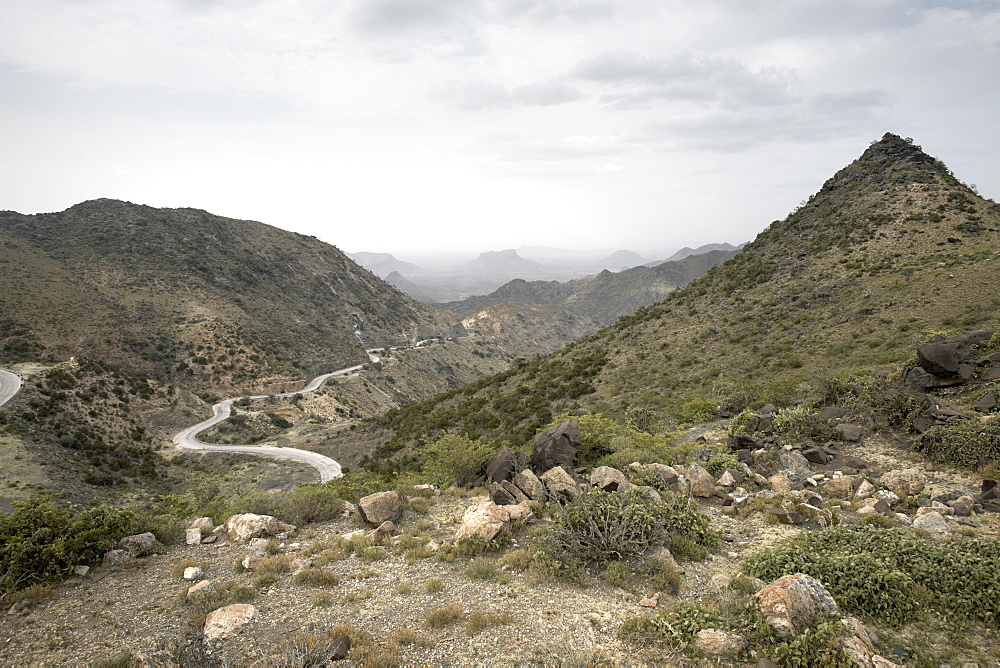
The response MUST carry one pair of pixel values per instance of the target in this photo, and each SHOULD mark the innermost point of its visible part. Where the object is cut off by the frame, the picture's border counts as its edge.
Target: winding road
(10, 383)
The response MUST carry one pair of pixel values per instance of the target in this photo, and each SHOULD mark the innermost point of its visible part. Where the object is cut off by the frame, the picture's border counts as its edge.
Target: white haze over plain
(418, 126)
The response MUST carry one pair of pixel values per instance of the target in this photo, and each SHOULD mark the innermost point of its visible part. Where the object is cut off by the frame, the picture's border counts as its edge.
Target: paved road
(10, 383)
(328, 468)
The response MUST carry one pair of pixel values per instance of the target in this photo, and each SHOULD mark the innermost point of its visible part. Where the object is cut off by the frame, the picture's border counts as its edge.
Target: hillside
(190, 297)
(892, 249)
(604, 297)
(526, 331)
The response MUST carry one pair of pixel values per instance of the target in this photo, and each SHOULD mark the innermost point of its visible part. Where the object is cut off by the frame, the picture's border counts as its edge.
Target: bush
(40, 541)
(598, 526)
(316, 577)
(449, 614)
(674, 628)
(968, 444)
(891, 574)
(480, 621)
(455, 460)
(819, 645)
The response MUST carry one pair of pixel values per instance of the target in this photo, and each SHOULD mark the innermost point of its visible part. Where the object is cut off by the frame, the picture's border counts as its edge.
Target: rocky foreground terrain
(418, 590)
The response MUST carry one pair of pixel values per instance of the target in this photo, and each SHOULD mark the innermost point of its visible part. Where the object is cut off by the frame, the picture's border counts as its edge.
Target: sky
(410, 126)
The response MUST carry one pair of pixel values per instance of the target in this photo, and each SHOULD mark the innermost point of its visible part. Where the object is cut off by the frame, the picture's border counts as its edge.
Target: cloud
(544, 11)
(644, 80)
(547, 93)
(476, 95)
(393, 16)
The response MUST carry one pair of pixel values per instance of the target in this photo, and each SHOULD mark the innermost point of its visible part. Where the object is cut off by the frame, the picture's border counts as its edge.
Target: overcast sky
(407, 125)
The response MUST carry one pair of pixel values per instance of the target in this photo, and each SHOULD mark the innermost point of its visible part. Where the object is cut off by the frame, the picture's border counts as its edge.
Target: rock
(501, 496)
(841, 486)
(932, 522)
(559, 484)
(382, 532)
(650, 600)
(795, 602)
(664, 556)
(530, 485)
(117, 558)
(817, 455)
(668, 474)
(138, 545)
(743, 442)
(987, 403)
(255, 553)
(943, 357)
(937, 507)
(244, 527)
(719, 643)
(339, 648)
(874, 505)
(865, 489)
(502, 465)
(193, 573)
(906, 482)
(727, 479)
(517, 494)
(918, 380)
(204, 524)
(834, 413)
(649, 492)
(203, 588)
(888, 496)
(380, 507)
(556, 446)
(701, 482)
(794, 462)
(963, 505)
(224, 621)
(349, 509)
(786, 516)
(487, 519)
(849, 432)
(209, 539)
(192, 536)
(609, 479)
(81, 570)
(780, 482)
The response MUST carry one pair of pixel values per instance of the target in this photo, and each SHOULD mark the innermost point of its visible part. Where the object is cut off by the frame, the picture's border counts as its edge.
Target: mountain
(891, 250)
(190, 297)
(621, 259)
(405, 285)
(502, 263)
(688, 252)
(602, 298)
(383, 264)
(529, 330)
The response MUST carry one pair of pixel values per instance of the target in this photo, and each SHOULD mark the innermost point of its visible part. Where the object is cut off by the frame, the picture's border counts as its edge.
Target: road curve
(10, 383)
(328, 468)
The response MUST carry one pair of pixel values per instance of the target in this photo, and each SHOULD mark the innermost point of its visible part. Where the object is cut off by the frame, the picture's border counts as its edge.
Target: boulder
(501, 496)
(117, 558)
(193, 573)
(609, 479)
(223, 621)
(668, 474)
(906, 482)
(701, 482)
(530, 485)
(786, 516)
(849, 432)
(817, 455)
(719, 643)
(380, 507)
(138, 545)
(487, 519)
(888, 496)
(203, 588)
(943, 357)
(841, 486)
(383, 531)
(514, 491)
(794, 462)
(244, 527)
(780, 482)
(987, 403)
(192, 536)
(203, 523)
(559, 485)
(743, 442)
(795, 602)
(502, 465)
(963, 505)
(255, 553)
(834, 413)
(865, 489)
(556, 446)
(933, 522)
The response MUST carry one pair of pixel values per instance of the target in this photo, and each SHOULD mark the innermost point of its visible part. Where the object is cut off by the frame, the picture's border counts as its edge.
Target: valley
(635, 466)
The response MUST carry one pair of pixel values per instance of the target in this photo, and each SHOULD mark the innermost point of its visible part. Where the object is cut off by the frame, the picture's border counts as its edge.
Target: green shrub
(455, 460)
(316, 577)
(819, 645)
(799, 423)
(892, 574)
(40, 540)
(685, 549)
(675, 628)
(967, 444)
(310, 503)
(482, 569)
(598, 526)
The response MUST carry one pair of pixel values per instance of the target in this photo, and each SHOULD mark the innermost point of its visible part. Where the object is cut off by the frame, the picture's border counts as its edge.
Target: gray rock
(795, 602)
(528, 482)
(138, 545)
(556, 446)
(906, 482)
(794, 462)
(987, 403)
(255, 553)
(932, 522)
(192, 536)
(193, 573)
(501, 496)
(512, 489)
(380, 507)
(559, 484)
(849, 432)
(502, 465)
(701, 482)
(608, 479)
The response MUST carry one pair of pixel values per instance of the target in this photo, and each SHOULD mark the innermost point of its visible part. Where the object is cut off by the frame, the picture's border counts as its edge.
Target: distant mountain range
(492, 269)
